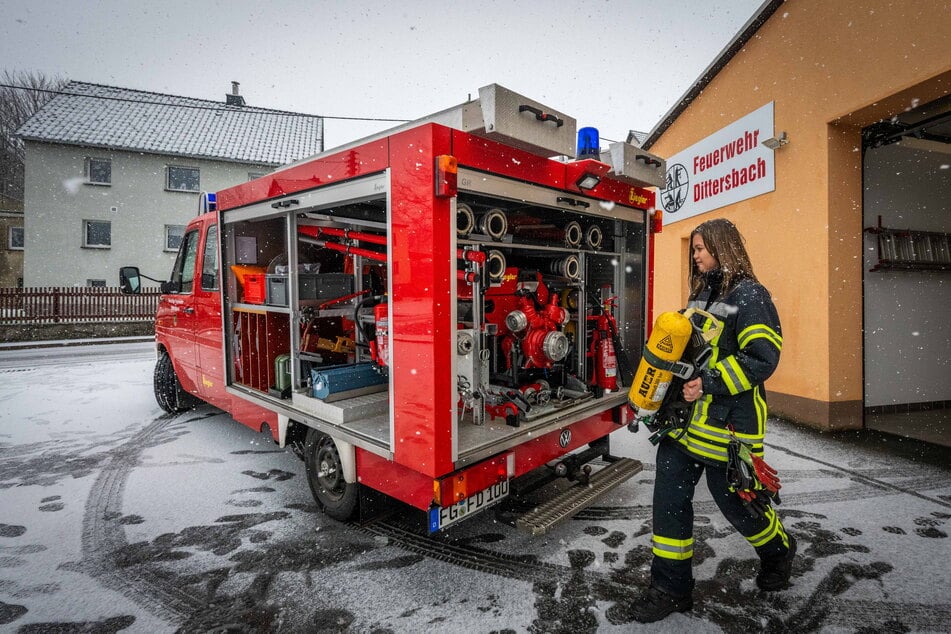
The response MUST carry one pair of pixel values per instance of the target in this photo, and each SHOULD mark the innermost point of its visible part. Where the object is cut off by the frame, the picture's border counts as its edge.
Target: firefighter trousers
(676, 479)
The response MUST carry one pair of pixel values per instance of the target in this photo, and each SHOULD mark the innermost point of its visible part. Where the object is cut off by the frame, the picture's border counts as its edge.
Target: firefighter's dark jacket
(744, 355)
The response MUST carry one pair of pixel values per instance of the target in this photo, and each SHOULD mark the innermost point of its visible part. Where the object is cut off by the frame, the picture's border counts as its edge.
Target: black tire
(169, 393)
(338, 498)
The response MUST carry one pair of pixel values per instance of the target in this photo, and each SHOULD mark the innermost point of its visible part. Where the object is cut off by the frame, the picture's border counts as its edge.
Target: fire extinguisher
(607, 359)
(604, 355)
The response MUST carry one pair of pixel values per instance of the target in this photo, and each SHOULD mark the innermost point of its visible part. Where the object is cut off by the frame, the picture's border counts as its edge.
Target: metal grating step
(543, 518)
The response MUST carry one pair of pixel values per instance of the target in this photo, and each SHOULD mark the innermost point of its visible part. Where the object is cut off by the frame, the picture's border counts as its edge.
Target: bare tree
(22, 93)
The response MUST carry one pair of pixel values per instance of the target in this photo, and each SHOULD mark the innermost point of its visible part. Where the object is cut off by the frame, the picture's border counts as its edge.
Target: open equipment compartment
(304, 330)
(556, 271)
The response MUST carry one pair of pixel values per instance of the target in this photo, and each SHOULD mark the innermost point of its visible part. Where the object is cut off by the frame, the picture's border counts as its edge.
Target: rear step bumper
(544, 517)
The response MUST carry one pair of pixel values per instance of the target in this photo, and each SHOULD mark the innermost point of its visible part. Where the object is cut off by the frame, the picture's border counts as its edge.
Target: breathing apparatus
(676, 351)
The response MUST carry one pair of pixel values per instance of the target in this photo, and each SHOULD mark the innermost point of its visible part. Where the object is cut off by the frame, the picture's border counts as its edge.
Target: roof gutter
(735, 46)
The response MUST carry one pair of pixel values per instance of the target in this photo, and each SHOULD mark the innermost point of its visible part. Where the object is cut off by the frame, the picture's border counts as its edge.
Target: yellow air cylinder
(668, 341)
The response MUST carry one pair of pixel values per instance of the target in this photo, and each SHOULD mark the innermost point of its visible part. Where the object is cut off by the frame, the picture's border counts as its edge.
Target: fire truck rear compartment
(526, 315)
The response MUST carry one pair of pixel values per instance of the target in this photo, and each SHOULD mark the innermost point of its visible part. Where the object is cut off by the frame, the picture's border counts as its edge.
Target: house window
(15, 241)
(173, 236)
(98, 171)
(97, 234)
(96, 283)
(182, 179)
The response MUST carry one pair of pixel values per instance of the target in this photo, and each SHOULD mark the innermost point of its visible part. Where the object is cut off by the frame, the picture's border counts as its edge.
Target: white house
(113, 174)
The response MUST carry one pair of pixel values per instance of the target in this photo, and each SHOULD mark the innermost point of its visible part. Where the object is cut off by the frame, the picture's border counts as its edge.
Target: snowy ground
(114, 516)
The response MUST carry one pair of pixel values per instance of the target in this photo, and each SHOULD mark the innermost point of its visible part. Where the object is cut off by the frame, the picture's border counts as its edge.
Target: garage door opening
(907, 273)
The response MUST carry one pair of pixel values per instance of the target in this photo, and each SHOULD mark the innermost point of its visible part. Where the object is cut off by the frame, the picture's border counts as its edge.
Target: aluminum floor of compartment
(366, 418)
(479, 441)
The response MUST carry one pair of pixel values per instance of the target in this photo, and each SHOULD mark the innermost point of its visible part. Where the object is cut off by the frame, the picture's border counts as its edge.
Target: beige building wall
(831, 68)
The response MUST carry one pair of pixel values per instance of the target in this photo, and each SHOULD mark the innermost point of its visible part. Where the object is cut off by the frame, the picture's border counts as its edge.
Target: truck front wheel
(337, 497)
(168, 390)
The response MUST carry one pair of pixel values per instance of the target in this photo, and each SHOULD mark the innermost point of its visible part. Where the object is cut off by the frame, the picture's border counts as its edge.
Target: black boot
(774, 572)
(654, 604)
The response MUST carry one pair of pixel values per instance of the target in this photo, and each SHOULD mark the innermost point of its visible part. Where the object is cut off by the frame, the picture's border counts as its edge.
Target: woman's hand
(693, 389)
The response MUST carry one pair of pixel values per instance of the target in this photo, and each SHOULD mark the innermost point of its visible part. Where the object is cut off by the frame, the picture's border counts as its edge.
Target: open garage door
(907, 273)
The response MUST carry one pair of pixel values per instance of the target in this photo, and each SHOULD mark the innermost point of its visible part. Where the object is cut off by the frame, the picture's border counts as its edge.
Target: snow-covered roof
(93, 115)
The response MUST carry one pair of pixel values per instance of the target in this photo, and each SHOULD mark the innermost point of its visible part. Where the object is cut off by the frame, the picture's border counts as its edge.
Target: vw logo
(674, 194)
(564, 438)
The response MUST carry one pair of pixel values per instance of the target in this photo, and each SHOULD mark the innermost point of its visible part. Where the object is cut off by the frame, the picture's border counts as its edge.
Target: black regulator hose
(374, 300)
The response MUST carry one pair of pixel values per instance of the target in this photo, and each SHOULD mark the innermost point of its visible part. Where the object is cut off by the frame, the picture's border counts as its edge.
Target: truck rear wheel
(168, 391)
(337, 497)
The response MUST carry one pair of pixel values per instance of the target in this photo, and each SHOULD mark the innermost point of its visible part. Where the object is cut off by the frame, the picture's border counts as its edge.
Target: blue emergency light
(589, 144)
(207, 201)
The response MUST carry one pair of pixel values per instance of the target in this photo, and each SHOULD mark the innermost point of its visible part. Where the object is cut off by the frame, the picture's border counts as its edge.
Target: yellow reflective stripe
(668, 548)
(701, 407)
(717, 430)
(715, 434)
(764, 536)
(701, 448)
(695, 442)
(759, 331)
(761, 412)
(733, 376)
(774, 528)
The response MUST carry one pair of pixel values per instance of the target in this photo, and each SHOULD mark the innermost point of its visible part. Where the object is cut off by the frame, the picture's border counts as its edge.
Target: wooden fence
(75, 305)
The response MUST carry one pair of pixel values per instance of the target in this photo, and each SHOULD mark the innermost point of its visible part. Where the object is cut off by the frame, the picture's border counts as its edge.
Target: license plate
(440, 518)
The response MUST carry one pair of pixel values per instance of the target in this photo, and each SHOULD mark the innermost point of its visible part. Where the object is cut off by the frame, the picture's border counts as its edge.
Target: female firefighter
(729, 404)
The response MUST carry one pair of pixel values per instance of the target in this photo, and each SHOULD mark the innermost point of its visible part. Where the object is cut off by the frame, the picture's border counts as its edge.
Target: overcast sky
(613, 64)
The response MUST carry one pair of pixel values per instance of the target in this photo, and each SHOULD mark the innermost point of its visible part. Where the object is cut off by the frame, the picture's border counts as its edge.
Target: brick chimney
(234, 99)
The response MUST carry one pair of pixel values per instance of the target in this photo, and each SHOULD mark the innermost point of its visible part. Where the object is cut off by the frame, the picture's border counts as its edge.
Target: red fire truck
(442, 313)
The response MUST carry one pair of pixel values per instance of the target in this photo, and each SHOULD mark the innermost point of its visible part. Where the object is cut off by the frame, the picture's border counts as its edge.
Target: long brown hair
(724, 242)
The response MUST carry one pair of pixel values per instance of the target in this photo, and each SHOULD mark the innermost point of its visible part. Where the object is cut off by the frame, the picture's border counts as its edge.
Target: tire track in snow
(871, 481)
(103, 536)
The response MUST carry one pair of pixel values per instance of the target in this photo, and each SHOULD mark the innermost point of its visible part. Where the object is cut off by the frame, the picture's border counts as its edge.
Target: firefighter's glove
(754, 481)
(756, 502)
(766, 475)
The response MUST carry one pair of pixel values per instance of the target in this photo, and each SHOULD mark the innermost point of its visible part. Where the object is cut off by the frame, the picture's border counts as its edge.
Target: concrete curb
(64, 343)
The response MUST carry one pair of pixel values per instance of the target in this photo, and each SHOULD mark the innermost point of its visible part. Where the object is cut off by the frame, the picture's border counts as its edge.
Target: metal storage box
(503, 115)
(309, 286)
(636, 166)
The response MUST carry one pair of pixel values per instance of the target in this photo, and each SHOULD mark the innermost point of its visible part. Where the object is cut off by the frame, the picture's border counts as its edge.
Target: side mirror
(130, 280)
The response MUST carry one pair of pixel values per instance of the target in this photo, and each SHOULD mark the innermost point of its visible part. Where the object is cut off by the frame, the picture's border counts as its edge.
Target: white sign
(728, 166)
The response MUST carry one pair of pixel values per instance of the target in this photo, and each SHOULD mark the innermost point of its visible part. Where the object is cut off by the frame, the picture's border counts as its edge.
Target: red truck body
(362, 306)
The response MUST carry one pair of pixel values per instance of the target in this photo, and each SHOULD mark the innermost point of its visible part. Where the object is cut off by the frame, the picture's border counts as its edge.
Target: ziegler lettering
(636, 198)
